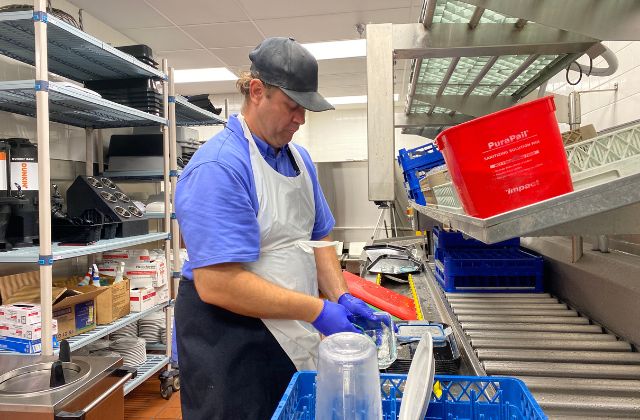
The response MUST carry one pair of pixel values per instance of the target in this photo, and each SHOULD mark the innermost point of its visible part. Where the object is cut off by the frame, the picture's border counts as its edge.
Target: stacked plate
(153, 328)
(130, 330)
(132, 350)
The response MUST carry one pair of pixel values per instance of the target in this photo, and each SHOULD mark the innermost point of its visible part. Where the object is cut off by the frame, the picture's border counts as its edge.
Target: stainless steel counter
(47, 402)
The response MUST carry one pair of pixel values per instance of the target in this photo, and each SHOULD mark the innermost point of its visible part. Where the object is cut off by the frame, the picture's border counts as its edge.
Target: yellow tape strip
(379, 279)
(416, 301)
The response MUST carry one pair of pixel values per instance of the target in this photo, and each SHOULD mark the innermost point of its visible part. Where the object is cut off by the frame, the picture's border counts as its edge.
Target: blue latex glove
(363, 315)
(333, 319)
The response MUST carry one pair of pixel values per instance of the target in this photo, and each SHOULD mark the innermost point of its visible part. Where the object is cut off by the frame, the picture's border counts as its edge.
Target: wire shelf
(153, 364)
(137, 176)
(71, 52)
(31, 254)
(72, 106)
(188, 114)
(100, 331)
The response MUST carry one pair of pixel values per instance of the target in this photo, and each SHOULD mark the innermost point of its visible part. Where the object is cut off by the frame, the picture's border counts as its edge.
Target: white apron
(286, 216)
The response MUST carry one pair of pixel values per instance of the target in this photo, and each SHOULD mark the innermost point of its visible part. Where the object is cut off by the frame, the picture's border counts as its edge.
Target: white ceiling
(221, 33)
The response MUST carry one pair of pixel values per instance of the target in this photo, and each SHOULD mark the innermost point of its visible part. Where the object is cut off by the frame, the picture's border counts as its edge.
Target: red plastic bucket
(508, 159)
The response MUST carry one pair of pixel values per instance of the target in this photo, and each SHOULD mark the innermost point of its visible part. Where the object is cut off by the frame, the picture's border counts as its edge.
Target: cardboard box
(154, 271)
(128, 256)
(142, 299)
(143, 283)
(20, 313)
(75, 312)
(27, 332)
(112, 303)
(162, 294)
(108, 268)
(21, 345)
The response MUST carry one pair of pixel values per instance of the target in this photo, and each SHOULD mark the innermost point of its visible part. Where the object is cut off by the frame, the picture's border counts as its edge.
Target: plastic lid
(413, 331)
(347, 347)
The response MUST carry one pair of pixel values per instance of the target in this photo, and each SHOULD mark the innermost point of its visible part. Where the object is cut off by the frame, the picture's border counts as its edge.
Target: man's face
(280, 117)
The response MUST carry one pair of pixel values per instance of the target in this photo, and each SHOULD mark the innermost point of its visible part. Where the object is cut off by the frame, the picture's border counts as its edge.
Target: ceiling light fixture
(337, 49)
(361, 99)
(212, 74)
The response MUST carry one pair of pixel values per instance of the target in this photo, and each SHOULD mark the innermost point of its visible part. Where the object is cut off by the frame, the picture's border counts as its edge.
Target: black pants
(231, 366)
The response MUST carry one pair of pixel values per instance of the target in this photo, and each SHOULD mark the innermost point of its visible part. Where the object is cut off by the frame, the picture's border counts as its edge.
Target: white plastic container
(348, 380)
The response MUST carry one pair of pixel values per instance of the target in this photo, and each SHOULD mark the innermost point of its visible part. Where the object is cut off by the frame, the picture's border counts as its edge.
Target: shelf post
(44, 175)
(175, 229)
(89, 133)
(166, 137)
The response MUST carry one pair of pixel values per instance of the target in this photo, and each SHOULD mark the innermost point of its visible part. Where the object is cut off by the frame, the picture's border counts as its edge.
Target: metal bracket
(42, 85)
(45, 260)
(172, 99)
(173, 173)
(173, 216)
(169, 237)
(176, 274)
(40, 17)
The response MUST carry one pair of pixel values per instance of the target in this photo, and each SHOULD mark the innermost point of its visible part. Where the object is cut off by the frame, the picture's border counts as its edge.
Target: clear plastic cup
(384, 337)
(348, 380)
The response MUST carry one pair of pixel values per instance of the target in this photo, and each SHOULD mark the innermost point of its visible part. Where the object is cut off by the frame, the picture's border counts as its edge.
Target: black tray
(72, 231)
(136, 103)
(135, 97)
(148, 83)
(139, 51)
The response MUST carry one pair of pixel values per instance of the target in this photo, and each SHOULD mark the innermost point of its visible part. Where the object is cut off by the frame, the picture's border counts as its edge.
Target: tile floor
(145, 403)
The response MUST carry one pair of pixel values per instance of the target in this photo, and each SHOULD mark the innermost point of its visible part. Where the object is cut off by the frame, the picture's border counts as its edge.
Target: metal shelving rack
(189, 115)
(81, 340)
(28, 37)
(60, 252)
(72, 106)
(145, 371)
(184, 114)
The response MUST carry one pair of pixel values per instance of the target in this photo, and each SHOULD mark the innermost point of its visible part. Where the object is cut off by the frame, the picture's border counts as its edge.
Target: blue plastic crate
(416, 195)
(446, 240)
(490, 270)
(462, 398)
(424, 157)
(415, 163)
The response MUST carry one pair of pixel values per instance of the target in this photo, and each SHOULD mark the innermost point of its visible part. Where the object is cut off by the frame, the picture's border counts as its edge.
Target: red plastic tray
(396, 304)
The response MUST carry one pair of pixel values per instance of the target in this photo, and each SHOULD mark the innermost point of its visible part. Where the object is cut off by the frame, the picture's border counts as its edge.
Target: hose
(599, 50)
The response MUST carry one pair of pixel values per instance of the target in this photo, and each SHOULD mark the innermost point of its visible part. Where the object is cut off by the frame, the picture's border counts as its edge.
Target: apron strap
(308, 246)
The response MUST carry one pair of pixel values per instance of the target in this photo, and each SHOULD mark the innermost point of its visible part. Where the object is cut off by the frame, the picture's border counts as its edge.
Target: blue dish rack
(508, 270)
(414, 163)
(446, 240)
(462, 398)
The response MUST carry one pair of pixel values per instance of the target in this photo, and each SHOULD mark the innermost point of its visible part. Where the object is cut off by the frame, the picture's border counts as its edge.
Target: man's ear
(256, 90)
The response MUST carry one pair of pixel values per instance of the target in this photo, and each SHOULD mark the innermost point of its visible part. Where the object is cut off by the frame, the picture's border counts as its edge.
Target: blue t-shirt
(217, 204)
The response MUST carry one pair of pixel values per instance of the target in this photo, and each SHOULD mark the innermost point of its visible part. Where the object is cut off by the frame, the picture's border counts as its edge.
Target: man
(257, 226)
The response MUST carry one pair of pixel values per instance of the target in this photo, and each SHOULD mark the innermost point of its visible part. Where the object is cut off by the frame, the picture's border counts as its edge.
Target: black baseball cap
(284, 63)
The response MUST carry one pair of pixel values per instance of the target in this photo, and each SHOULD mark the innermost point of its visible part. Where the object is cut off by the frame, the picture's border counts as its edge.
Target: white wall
(607, 109)
(337, 141)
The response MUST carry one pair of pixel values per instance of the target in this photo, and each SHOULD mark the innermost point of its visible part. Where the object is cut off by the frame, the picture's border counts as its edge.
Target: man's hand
(364, 316)
(333, 319)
